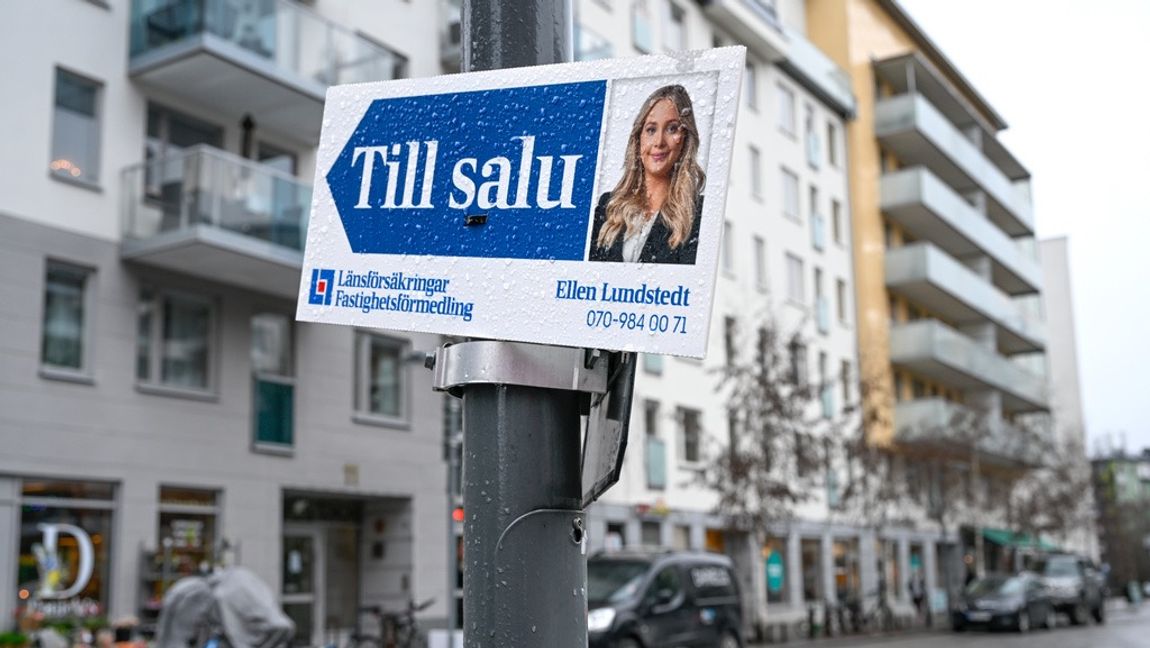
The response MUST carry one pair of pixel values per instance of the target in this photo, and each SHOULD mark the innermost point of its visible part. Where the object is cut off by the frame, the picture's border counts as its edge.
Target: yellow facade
(854, 34)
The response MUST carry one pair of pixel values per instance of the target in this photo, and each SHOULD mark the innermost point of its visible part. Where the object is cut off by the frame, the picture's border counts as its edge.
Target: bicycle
(396, 629)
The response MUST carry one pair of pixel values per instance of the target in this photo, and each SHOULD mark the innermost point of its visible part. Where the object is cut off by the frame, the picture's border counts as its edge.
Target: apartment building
(947, 275)
(786, 262)
(160, 409)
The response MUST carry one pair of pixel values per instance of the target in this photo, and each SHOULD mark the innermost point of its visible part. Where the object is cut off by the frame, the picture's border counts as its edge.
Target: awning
(1008, 538)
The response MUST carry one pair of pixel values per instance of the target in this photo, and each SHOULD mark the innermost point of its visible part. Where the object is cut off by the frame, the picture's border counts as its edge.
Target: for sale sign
(577, 204)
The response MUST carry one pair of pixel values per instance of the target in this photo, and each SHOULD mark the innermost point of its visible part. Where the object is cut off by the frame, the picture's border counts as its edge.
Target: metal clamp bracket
(517, 363)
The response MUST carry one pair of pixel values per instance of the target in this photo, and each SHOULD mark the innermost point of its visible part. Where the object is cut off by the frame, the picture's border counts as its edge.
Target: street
(1123, 629)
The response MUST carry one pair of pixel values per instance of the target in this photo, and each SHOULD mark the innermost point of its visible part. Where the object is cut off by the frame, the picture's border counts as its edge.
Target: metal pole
(525, 575)
(525, 578)
(451, 449)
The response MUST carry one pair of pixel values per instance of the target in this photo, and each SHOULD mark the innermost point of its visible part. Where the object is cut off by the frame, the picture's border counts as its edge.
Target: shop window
(846, 560)
(65, 549)
(76, 128)
(381, 389)
(273, 380)
(187, 536)
(174, 340)
(775, 563)
(64, 335)
(650, 534)
(811, 553)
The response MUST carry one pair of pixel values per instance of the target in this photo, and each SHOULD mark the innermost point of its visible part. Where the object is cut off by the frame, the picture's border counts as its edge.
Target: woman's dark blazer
(656, 249)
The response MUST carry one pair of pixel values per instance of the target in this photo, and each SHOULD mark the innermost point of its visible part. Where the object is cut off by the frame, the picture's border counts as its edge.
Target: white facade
(347, 505)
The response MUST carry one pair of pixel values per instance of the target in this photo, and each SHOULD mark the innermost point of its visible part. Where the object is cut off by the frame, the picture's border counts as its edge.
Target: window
(691, 434)
(653, 363)
(786, 110)
(917, 388)
(681, 537)
(729, 332)
(822, 307)
(590, 46)
(813, 203)
(846, 561)
(751, 87)
(798, 360)
(728, 256)
(381, 390)
(641, 27)
(76, 128)
(667, 580)
(760, 263)
(811, 553)
(841, 300)
(60, 521)
(791, 195)
(713, 583)
(837, 221)
(796, 288)
(187, 529)
(63, 342)
(756, 173)
(775, 563)
(174, 340)
(832, 145)
(826, 387)
(656, 455)
(676, 28)
(650, 534)
(845, 381)
(811, 137)
(273, 379)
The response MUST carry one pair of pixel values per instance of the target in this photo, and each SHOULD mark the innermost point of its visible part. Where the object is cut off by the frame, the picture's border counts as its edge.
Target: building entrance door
(303, 574)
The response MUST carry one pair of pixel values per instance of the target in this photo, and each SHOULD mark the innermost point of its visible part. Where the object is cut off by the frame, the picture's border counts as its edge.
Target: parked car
(1077, 587)
(650, 598)
(1019, 602)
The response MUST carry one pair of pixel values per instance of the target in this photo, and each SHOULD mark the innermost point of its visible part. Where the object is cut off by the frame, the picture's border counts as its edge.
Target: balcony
(818, 73)
(930, 210)
(934, 350)
(913, 129)
(272, 59)
(942, 424)
(214, 215)
(934, 280)
(754, 23)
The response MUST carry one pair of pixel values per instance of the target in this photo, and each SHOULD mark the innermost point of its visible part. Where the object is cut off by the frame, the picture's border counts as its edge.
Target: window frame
(796, 278)
(762, 276)
(154, 382)
(787, 121)
(836, 222)
(673, 10)
(683, 414)
(287, 378)
(361, 392)
(790, 180)
(751, 86)
(640, 9)
(755, 159)
(84, 373)
(841, 299)
(92, 181)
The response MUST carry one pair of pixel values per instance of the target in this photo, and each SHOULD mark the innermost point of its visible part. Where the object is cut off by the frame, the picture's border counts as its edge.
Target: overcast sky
(1072, 80)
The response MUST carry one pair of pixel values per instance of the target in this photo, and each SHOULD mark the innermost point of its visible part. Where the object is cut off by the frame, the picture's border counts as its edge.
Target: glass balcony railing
(291, 37)
(818, 232)
(823, 314)
(210, 187)
(656, 459)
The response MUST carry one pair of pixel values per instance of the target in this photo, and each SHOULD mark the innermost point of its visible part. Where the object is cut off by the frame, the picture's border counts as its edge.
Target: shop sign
(513, 204)
(775, 571)
(52, 570)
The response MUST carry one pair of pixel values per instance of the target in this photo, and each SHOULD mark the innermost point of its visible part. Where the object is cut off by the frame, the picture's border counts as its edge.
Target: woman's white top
(633, 245)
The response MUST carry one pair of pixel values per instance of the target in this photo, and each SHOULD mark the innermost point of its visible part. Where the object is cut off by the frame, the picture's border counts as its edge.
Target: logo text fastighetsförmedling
(350, 289)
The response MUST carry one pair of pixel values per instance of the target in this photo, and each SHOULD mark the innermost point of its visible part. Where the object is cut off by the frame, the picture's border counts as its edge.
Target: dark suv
(650, 598)
(1076, 587)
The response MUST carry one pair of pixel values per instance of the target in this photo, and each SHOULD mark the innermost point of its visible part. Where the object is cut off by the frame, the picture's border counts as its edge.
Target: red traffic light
(457, 514)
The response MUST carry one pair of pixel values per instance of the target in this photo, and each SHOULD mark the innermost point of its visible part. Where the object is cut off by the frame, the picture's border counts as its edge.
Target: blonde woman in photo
(652, 215)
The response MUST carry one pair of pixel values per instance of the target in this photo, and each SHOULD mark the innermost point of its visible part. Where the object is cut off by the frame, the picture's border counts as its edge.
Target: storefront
(64, 553)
